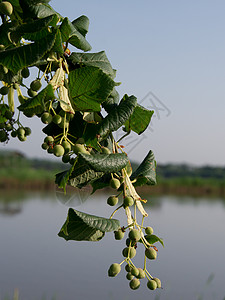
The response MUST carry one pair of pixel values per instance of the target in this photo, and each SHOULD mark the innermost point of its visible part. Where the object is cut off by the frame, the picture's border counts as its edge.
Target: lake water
(41, 266)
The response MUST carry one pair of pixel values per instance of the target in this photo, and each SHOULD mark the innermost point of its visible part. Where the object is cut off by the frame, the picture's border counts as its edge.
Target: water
(42, 266)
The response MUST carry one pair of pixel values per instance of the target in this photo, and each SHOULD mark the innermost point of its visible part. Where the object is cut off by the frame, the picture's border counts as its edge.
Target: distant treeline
(17, 169)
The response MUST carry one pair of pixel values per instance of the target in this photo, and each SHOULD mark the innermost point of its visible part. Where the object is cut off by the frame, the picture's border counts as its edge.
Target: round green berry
(134, 235)
(35, 85)
(152, 285)
(112, 200)
(67, 146)
(6, 8)
(119, 234)
(158, 281)
(150, 253)
(14, 133)
(31, 93)
(9, 114)
(3, 136)
(135, 271)
(49, 139)
(46, 118)
(129, 276)
(57, 119)
(8, 127)
(129, 251)
(149, 230)
(25, 73)
(128, 201)
(114, 270)
(22, 138)
(114, 183)
(27, 131)
(128, 268)
(44, 146)
(141, 274)
(66, 158)
(58, 150)
(134, 284)
(4, 90)
(21, 131)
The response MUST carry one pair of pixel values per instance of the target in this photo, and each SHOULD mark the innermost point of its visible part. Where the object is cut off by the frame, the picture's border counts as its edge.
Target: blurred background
(170, 55)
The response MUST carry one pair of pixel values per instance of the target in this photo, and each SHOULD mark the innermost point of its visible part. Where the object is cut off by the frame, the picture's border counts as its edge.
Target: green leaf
(73, 36)
(89, 87)
(139, 120)
(37, 29)
(98, 60)
(152, 239)
(101, 182)
(80, 226)
(33, 10)
(37, 104)
(18, 58)
(107, 163)
(118, 116)
(112, 101)
(146, 173)
(81, 24)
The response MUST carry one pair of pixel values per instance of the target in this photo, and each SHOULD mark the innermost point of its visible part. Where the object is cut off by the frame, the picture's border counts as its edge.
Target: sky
(171, 56)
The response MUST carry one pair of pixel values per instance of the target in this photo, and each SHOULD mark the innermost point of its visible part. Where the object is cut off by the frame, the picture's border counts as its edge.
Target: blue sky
(172, 52)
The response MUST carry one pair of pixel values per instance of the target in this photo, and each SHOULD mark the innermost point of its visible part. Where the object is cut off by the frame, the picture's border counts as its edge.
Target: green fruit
(2, 47)
(6, 8)
(25, 73)
(158, 281)
(22, 138)
(149, 230)
(118, 234)
(106, 150)
(67, 146)
(150, 253)
(46, 118)
(57, 119)
(58, 150)
(27, 131)
(21, 131)
(134, 235)
(49, 139)
(31, 93)
(114, 270)
(4, 90)
(128, 201)
(141, 274)
(129, 276)
(112, 200)
(130, 243)
(3, 136)
(131, 252)
(135, 271)
(134, 284)
(35, 85)
(128, 268)
(114, 183)
(14, 134)
(8, 127)
(5, 70)
(8, 114)
(50, 150)
(44, 146)
(66, 158)
(152, 285)
(79, 148)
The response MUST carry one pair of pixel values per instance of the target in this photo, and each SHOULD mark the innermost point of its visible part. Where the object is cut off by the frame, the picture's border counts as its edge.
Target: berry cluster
(134, 274)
